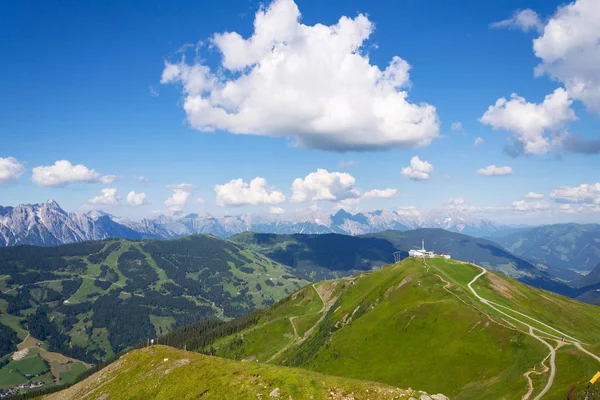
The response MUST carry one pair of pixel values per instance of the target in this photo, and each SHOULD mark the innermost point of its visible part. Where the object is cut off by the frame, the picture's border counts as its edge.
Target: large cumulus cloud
(314, 84)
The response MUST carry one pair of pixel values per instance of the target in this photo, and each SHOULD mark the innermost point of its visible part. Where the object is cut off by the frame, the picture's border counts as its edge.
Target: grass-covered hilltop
(421, 324)
(165, 373)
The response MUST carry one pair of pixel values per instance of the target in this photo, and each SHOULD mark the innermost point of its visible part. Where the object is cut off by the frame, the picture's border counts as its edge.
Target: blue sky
(82, 82)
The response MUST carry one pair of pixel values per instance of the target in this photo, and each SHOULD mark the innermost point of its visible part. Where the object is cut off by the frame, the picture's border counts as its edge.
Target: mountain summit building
(424, 253)
(421, 252)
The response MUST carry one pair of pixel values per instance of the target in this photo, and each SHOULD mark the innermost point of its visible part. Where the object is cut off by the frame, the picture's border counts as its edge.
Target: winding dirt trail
(527, 374)
(327, 304)
(552, 355)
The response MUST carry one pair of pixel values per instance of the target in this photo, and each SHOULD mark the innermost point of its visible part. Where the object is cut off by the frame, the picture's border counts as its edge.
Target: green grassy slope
(412, 324)
(162, 372)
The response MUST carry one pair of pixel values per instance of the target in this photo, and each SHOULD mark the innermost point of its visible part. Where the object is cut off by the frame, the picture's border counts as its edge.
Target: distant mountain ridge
(571, 246)
(47, 224)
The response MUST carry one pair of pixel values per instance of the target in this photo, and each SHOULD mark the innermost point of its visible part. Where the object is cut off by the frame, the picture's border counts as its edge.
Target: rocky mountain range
(47, 224)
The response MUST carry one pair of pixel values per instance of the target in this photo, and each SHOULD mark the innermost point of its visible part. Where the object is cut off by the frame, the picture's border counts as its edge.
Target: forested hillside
(325, 256)
(90, 300)
(570, 247)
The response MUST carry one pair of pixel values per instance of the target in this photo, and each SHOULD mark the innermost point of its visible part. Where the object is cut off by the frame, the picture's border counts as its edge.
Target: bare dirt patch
(21, 354)
(326, 290)
(504, 288)
(28, 342)
(398, 286)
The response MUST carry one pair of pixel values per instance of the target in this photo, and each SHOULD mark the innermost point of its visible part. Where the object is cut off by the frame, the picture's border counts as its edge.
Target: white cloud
(179, 198)
(276, 210)
(347, 204)
(418, 170)
(63, 173)
(200, 200)
(479, 141)
(456, 126)
(311, 83)
(529, 206)
(456, 202)
(379, 194)
(583, 194)
(142, 179)
(10, 169)
(493, 170)
(238, 193)
(408, 211)
(347, 164)
(188, 187)
(567, 209)
(136, 199)
(525, 20)
(107, 197)
(570, 50)
(324, 185)
(530, 121)
(533, 195)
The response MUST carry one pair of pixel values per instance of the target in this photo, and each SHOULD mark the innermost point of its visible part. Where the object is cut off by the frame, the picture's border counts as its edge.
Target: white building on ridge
(419, 253)
(424, 253)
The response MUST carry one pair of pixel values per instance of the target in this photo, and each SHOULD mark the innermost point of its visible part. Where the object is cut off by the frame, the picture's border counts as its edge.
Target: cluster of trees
(133, 264)
(199, 336)
(209, 260)
(8, 340)
(50, 295)
(127, 321)
(102, 284)
(108, 273)
(18, 302)
(14, 260)
(97, 258)
(30, 277)
(70, 286)
(41, 327)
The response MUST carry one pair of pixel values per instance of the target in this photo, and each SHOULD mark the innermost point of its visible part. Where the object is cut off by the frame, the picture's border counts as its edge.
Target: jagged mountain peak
(51, 203)
(95, 214)
(49, 224)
